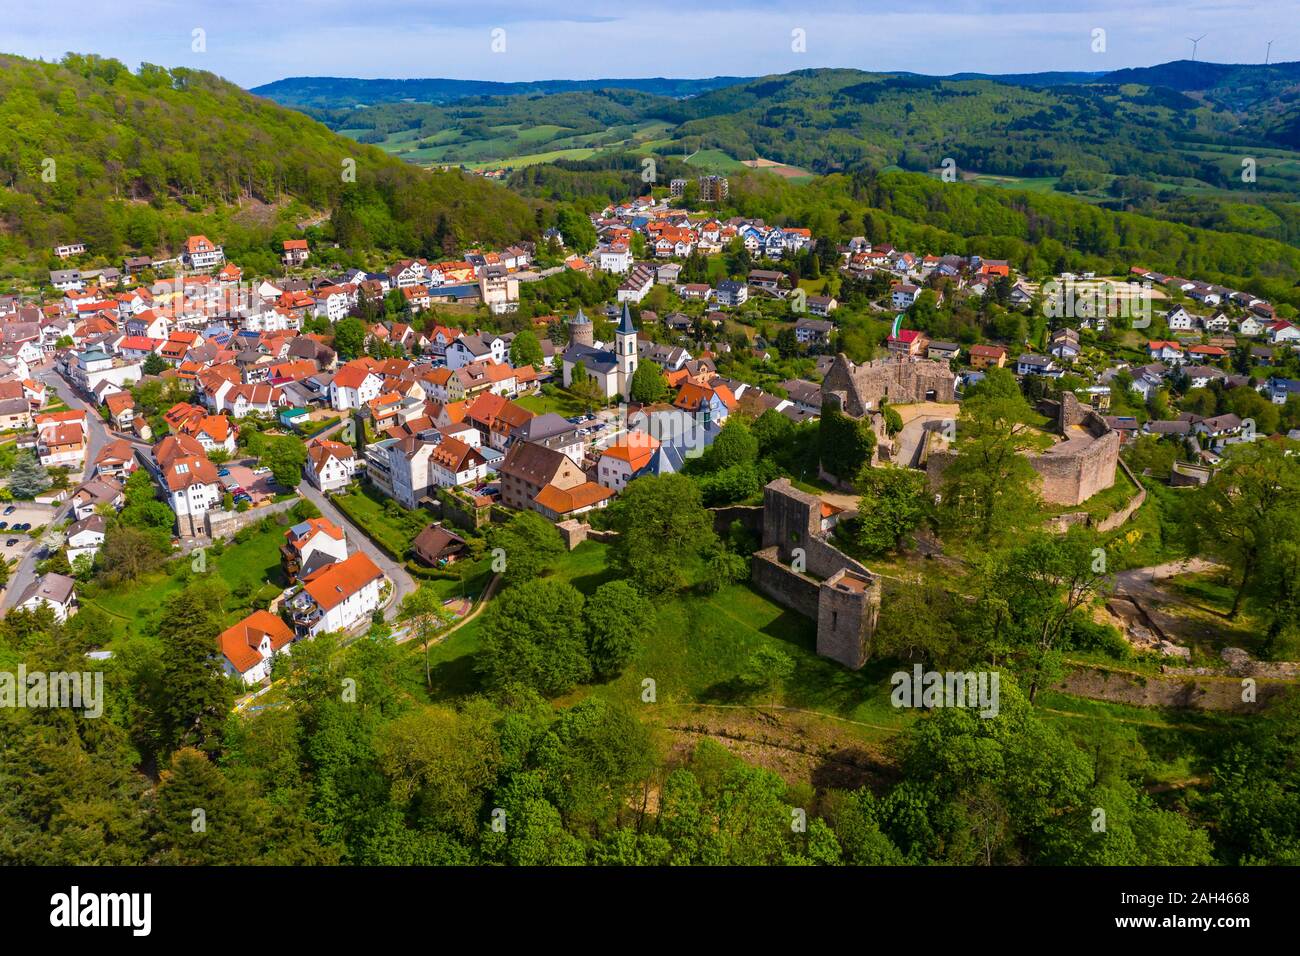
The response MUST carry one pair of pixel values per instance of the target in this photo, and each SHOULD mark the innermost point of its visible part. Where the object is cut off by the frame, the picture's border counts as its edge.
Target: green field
(513, 144)
(250, 568)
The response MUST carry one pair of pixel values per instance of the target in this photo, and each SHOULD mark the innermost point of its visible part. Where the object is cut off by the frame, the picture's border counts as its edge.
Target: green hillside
(340, 92)
(132, 162)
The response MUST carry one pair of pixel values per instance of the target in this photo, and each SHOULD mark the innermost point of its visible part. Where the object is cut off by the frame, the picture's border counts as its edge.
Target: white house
(312, 544)
(616, 258)
(189, 481)
(248, 647)
(455, 463)
(903, 295)
(338, 596)
(57, 591)
(475, 348)
(86, 537)
(330, 465)
(354, 386)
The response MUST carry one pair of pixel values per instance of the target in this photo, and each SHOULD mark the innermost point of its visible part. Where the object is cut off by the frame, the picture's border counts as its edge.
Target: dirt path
(1142, 583)
(488, 592)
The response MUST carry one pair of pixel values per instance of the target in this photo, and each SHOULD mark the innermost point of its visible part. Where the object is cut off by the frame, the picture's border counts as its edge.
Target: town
(419, 390)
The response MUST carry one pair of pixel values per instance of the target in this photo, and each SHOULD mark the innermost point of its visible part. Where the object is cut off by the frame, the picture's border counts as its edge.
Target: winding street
(97, 437)
(403, 583)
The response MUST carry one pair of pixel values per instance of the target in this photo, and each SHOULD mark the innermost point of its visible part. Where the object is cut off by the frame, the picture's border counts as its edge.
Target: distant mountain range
(1234, 85)
(334, 92)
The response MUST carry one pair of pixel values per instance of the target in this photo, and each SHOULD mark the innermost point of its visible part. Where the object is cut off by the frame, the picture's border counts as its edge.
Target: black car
(11, 509)
(11, 542)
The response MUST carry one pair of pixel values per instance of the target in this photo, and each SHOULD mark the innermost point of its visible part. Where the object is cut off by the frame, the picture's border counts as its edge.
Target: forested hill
(90, 151)
(828, 120)
(337, 92)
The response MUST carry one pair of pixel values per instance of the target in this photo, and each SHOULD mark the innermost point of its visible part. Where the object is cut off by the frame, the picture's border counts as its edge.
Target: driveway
(403, 583)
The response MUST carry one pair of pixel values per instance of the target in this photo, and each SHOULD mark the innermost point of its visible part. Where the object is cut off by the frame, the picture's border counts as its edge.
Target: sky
(252, 43)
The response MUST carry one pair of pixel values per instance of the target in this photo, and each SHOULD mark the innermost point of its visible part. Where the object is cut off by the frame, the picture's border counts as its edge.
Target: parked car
(11, 509)
(11, 542)
(3, 525)
(223, 472)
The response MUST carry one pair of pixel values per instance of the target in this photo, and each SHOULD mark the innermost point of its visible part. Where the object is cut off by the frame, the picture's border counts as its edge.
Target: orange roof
(352, 374)
(323, 525)
(636, 448)
(564, 500)
(240, 642)
(322, 450)
(453, 454)
(295, 244)
(119, 402)
(331, 585)
(186, 470)
(68, 416)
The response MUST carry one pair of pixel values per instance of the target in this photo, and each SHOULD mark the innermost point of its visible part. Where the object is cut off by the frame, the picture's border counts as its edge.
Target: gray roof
(593, 359)
(625, 326)
(52, 587)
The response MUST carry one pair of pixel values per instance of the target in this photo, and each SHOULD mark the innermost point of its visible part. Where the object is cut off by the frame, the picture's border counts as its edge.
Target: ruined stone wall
(898, 380)
(1071, 479)
(1193, 693)
(224, 524)
(792, 520)
(789, 589)
(750, 517)
(573, 531)
(845, 603)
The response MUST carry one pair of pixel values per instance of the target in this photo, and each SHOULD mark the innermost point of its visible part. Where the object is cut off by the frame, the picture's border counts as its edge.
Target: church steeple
(625, 351)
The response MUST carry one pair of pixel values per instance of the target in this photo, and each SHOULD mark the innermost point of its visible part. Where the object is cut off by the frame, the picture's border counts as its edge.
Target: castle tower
(625, 350)
(581, 331)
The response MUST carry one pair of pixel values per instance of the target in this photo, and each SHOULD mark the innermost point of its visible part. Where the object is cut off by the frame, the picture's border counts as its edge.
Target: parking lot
(27, 517)
(259, 487)
(18, 514)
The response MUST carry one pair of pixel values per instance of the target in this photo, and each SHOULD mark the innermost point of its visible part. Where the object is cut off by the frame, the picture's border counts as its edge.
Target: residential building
(55, 591)
(248, 647)
(337, 596)
(310, 545)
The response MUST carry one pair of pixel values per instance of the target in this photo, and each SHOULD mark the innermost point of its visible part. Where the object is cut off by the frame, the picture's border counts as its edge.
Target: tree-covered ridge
(840, 119)
(487, 128)
(90, 151)
(337, 92)
(1040, 233)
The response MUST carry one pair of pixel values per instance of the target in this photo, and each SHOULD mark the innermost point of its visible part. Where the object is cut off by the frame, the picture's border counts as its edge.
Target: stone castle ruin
(1081, 463)
(800, 569)
(859, 389)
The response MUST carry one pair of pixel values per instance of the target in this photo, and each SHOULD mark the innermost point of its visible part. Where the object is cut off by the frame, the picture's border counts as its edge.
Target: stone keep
(800, 569)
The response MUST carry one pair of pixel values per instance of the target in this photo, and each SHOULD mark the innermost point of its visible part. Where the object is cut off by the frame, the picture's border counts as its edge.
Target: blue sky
(256, 42)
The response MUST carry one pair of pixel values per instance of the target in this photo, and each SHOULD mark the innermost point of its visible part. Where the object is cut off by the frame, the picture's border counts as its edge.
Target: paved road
(96, 438)
(403, 583)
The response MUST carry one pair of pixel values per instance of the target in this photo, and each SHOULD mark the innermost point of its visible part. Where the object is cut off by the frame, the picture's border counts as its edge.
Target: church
(611, 370)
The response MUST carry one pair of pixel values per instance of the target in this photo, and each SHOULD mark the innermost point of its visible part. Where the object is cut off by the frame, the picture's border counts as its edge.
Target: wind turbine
(1196, 40)
(1268, 50)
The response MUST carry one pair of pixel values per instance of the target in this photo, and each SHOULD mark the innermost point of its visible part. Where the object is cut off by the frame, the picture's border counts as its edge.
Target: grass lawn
(697, 648)
(561, 402)
(53, 403)
(387, 523)
(251, 569)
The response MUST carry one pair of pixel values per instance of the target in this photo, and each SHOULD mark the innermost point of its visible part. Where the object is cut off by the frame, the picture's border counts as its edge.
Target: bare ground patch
(799, 746)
